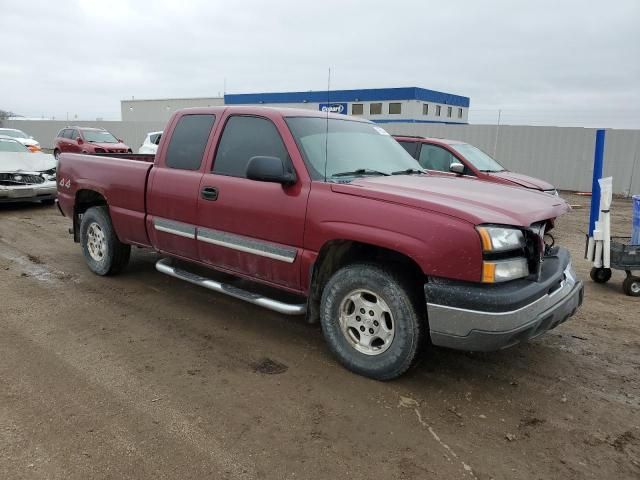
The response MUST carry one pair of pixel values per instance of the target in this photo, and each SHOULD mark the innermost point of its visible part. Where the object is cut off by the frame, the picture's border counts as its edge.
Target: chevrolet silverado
(328, 216)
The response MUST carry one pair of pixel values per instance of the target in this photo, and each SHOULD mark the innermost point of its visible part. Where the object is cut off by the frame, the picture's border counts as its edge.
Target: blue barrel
(635, 233)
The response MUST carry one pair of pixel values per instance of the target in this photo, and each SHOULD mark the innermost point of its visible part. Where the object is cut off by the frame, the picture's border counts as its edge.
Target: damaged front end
(21, 186)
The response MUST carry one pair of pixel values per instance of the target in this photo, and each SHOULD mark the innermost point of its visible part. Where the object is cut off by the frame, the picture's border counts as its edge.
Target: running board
(164, 266)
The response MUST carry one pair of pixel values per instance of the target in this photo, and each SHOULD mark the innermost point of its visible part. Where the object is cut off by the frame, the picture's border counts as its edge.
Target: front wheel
(371, 321)
(103, 252)
(56, 154)
(600, 275)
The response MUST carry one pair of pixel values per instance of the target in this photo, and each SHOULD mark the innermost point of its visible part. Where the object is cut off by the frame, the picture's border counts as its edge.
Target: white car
(26, 176)
(151, 142)
(27, 140)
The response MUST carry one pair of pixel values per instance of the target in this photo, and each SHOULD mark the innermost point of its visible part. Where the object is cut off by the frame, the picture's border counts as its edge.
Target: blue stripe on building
(341, 96)
(412, 120)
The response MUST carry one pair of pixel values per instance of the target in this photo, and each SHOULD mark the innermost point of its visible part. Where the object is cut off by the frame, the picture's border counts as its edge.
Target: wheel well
(85, 199)
(337, 253)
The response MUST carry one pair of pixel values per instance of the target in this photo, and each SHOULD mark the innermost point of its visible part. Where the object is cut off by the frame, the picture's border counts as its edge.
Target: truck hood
(26, 162)
(467, 199)
(522, 180)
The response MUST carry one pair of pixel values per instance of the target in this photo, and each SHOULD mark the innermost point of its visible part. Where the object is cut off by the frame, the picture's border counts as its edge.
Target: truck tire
(103, 252)
(371, 320)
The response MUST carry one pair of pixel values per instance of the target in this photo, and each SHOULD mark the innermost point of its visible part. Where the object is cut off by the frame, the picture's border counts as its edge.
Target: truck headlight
(500, 239)
(504, 270)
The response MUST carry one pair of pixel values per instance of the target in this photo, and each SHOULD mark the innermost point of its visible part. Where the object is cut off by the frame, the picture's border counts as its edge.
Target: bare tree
(4, 114)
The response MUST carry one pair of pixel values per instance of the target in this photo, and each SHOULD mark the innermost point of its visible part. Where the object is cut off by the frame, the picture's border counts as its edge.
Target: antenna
(326, 137)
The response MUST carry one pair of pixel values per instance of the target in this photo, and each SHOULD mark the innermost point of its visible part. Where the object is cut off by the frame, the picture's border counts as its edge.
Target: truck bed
(120, 178)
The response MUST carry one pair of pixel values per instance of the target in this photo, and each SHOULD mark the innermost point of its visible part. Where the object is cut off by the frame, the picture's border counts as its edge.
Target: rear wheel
(631, 286)
(48, 201)
(600, 275)
(103, 252)
(371, 321)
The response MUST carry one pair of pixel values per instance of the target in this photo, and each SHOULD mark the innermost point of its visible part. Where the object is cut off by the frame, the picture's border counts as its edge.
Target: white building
(381, 105)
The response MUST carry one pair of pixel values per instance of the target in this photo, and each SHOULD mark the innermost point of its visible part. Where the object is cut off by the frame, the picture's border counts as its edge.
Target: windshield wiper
(408, 171)
(360, 171)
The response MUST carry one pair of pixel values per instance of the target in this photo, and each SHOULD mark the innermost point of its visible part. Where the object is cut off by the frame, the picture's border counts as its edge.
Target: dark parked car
(440, 156)
(87, 140)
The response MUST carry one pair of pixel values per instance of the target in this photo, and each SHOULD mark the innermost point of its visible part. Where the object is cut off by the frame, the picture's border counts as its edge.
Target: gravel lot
(144, 376)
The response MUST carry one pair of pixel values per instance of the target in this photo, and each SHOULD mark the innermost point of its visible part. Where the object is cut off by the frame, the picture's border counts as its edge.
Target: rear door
(250, 227)
(72, 142)
(173, 190)
(59, 141)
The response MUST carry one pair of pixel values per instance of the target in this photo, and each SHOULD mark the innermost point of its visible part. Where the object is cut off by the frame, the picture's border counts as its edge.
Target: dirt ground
(144, 376)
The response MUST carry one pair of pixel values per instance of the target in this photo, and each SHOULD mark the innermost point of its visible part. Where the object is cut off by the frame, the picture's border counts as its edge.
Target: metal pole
(598, 161)
(495, 143)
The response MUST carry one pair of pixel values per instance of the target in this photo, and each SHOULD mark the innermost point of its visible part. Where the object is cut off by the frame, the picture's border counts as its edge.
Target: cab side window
(243, 138)
(188, 141)
(437, 158)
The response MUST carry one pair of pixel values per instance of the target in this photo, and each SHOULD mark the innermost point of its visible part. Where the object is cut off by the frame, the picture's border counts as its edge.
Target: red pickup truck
(328, 216)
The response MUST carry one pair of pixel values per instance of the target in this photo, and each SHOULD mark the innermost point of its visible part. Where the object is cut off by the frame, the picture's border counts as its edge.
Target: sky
(561, 62)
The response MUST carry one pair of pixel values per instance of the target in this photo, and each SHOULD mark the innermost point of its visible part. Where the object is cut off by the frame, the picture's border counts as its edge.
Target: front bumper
(28, 193)
(492, 317)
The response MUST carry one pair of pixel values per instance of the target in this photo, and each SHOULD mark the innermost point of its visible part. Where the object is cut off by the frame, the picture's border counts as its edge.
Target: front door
(245, 226)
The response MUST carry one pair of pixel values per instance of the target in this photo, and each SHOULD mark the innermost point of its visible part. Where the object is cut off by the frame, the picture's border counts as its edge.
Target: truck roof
(264, 110)
(411, 138)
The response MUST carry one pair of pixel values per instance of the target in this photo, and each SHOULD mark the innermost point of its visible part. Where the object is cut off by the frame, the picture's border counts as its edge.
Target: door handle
(209, 193)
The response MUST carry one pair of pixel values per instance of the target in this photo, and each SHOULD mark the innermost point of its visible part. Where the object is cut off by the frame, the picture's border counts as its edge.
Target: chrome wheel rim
(96, 243)
(635, 287)
(366, 322)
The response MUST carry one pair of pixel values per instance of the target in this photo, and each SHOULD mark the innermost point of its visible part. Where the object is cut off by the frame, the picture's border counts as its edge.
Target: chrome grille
(20, 179)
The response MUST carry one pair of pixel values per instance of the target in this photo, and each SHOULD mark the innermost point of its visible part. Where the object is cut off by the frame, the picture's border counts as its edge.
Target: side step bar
(164, 266)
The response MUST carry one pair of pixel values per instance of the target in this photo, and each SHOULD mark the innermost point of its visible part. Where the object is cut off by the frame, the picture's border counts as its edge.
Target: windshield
(13, 133)
(8, 145)
(477, 157)
(351, 149)
(99, 136)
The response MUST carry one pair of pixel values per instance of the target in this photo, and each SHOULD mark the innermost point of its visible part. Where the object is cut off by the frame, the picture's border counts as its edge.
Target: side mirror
(269, 169)
(79, 140)
(456, 168)
(120, 140)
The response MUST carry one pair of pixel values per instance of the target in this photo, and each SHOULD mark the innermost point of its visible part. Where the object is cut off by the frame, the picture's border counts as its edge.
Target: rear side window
(155, 138)
(411, 147)
(243, 138)
(188, 141)
(72, 134)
